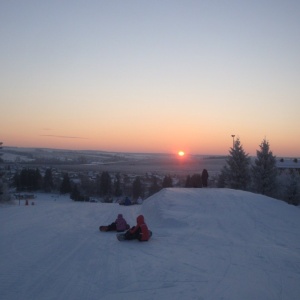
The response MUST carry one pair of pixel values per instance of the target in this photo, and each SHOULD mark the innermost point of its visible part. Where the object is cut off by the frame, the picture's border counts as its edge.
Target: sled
(122, 236)
(103, 228)
(106, 228)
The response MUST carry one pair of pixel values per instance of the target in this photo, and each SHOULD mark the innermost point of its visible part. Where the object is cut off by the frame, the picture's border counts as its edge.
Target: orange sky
(150, 77)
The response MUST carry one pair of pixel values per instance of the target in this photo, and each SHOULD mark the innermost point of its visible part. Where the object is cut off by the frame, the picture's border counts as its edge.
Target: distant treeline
(108, 186)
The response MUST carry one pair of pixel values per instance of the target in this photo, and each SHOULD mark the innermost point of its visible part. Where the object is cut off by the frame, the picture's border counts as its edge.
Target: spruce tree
(1, 175)
(37, 179)
(193, 181)
(29, 179)
(75, 194)
(167, 182)
(137, 188)
(154, 188)
(117, 186)
(292, 188)
(48, 181)
(236, 173)
(264, 171)
(4, 194)
(65, 185)
(1, 160)
(196, 181)
(188, 182)
(105, 184)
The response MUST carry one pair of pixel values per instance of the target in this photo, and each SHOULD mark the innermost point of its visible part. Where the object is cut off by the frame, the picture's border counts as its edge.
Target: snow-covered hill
(207, 244)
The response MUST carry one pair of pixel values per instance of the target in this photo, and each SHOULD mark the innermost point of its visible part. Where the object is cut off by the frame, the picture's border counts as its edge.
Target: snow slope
(207, 244)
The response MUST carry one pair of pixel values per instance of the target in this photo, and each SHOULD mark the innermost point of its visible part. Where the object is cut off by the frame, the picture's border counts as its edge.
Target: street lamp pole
(233, 135)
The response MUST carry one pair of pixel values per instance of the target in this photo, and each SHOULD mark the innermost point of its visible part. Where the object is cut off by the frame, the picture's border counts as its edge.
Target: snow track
(207, 244)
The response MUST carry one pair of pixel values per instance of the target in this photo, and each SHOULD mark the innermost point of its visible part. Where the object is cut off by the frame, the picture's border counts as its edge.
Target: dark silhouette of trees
(154, 187)
(264, 171)
(193, 181)
(104, 185)
(236, 173)
(28, 180)
(1, 160)
(137, 188)
(87, 185)
(1, 174)
(65, 186)
(75, 194)
(167, 182)
(188, 182)
(48, 184)
(117, 186)
(196, 181)
(4, 194)
(292, 188)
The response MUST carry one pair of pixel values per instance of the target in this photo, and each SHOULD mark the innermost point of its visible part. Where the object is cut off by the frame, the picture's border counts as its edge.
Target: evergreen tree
(29, 179)
(167, 182)
(193, 181)
(264, 171)
(154, 187)
(196, 181)
(87, 185)
(137, 188)
(1, 160)
(188, 182)
(17, 181)
(292, 189)
(1, 175)
(104, 185)
(221, 178)
(75, 194)
(117, 186)
(65, 185)
(38, 179)
(48, 181)
(127, 185)
(4, 194)
(236, 173)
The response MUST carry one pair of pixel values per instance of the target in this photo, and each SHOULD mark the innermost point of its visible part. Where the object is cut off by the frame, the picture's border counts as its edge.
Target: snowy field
(206, 244)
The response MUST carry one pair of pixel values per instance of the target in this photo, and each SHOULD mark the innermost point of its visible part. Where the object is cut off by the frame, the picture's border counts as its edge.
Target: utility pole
(233, 135)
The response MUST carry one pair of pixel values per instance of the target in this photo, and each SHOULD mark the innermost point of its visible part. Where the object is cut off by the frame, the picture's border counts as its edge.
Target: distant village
(89, 176)
(80, 175)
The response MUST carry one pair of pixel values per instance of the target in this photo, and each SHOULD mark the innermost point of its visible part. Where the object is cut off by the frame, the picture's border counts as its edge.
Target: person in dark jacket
(140, 231)
(127, 201)
(204, 178)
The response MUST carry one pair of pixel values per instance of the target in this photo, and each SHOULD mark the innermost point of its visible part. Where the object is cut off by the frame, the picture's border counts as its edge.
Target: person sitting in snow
(126, 202)
(140, 231)
(119, 225)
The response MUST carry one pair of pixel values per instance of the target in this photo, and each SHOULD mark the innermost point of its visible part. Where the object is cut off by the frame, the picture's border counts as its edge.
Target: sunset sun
(180, 153)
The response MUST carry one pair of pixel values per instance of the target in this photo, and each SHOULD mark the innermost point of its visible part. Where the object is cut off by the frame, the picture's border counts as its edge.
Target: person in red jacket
(140, 231)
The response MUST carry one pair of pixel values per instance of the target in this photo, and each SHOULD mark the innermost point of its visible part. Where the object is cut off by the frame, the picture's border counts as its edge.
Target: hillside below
(207, 244)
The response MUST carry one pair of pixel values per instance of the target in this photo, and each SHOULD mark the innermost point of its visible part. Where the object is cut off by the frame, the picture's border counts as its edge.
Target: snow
(206, 244)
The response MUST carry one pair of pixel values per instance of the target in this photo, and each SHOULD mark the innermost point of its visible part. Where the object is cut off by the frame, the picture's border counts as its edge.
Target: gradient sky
(150, 76)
